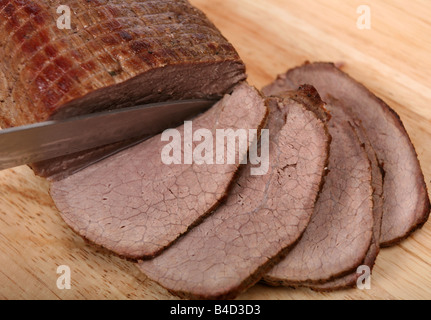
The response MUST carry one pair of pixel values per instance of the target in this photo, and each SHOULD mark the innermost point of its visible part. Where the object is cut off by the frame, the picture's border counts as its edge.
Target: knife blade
(51, 139)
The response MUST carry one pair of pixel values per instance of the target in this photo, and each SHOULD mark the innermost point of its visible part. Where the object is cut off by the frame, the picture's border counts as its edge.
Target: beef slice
(136, 205)
(262, 218)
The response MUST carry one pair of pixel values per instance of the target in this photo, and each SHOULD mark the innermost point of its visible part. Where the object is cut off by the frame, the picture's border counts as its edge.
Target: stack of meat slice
(326, 258)
(262, 219)
(330, 199)
(346, 219)
(406, 206)
(374, 195)
(212, 230)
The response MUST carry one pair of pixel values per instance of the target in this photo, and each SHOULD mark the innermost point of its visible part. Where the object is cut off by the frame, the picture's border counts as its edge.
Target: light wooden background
(393, 59)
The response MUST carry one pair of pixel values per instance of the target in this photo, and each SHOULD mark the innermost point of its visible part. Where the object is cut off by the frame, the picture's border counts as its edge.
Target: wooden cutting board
(393, 59)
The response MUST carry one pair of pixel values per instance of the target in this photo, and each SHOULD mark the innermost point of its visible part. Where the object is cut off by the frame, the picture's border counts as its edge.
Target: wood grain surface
(392, 58)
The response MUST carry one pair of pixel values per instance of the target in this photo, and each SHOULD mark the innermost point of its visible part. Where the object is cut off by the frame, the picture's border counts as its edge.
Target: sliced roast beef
(118, 53)
(261, 219)
(340, 232)
(350, 280)
(377, 184)
(340, 114)
(406, 204)
(136, 205)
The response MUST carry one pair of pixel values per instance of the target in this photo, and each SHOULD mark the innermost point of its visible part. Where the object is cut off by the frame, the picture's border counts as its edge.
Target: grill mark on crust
(76, 80)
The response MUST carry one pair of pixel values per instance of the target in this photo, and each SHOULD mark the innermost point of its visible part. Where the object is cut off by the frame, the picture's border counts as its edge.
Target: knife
(51, 139)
